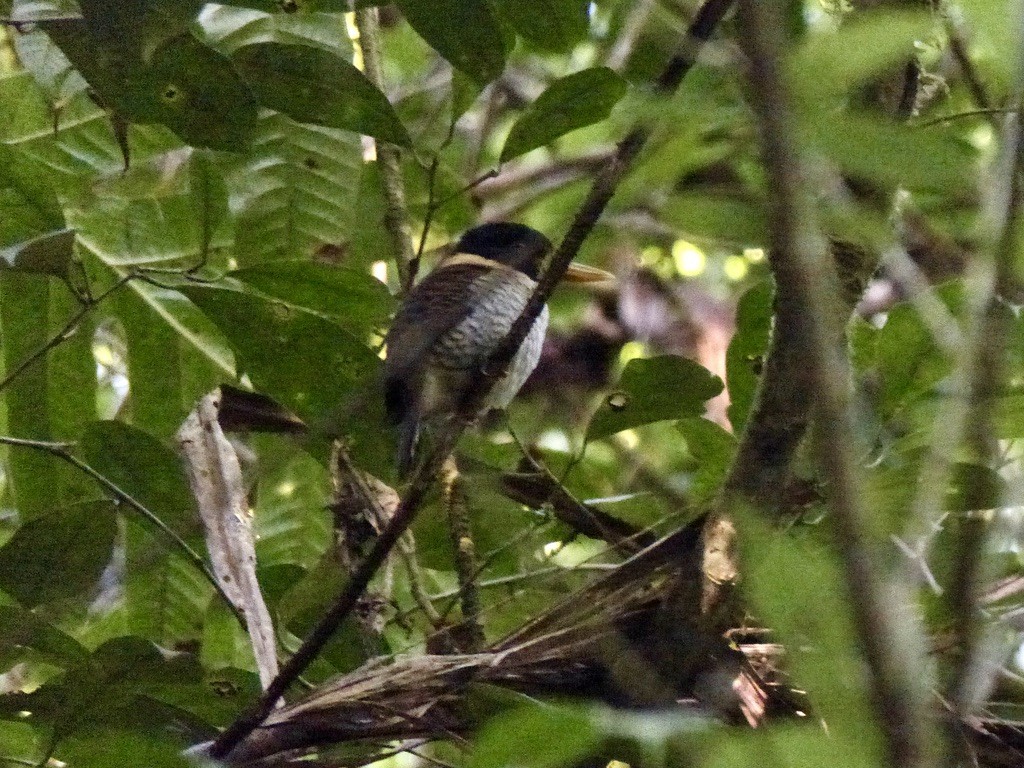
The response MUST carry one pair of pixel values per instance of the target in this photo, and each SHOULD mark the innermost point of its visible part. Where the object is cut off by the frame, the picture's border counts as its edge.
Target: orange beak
(580, 273)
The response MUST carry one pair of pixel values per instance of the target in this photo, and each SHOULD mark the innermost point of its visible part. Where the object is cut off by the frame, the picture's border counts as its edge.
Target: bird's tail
(408, 437)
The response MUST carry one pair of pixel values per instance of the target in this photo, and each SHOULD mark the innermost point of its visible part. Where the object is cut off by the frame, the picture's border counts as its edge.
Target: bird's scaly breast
(500, 300)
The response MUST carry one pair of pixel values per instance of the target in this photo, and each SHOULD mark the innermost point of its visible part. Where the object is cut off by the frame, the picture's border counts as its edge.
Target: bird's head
(522, 248)
(514, 245)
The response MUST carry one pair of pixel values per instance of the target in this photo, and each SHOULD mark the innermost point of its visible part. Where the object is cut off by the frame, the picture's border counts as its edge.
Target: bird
(451, 321)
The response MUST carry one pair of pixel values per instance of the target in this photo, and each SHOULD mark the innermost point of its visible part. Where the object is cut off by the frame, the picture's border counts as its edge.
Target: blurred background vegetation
(193, 195)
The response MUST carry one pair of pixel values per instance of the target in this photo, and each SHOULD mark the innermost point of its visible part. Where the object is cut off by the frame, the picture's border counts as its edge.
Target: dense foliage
(195, 195)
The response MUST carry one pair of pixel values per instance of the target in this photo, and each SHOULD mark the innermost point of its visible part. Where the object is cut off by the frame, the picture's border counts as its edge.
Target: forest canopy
(758, 504)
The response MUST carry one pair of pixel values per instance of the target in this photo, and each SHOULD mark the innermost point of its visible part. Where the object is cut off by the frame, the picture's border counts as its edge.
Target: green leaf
(834, 62)
(58, 555)
(732, 218)
(24, 301)
(571, 102)
(654, 389)
(145, 469)
(195, 92)
(21, 629)
(298, 7)
(312, 85)
(294, 192)
(747, 349)
(351, 298)
(786, 575)
(465, 32)
(27, 199)
(538, 736)
(712, 448)
(304, 361)
(552, 25)
(47, 254)
(119, 748)
(895, 155)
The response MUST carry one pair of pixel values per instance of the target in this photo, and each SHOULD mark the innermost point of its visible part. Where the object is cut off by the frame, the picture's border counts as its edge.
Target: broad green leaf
(553, 25)
(67, 144)
(145, 469)
(228, 29)
(174, 355)
(465, 32)
(833, 62)
(538, 735)
(731, 218)
(58, 555)
(119, 748)
(295, 190)
(182, 84)
(47, 254)
(895, 155)
(312, 85)
(119, 687)
(27, 199)
(195, 92)
(24, 299)
(309, 364)
(291, 519)
(571, 102)
(353, 299)
(165, 594)
(654, 389)
(225, 645)
(746, 351)
(72, 383)
(22, 630)
(169, 212)
(824, 656)
(712, 448)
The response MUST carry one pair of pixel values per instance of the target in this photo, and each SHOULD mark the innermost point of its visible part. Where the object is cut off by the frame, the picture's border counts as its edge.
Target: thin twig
(464, 549)
(801, 260)
(65, 333)
(601, 192)
(985, 377)
(396, 215)
(60, 451)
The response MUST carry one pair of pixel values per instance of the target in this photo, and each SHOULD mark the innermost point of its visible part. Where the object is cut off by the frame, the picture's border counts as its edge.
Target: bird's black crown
(515, 245)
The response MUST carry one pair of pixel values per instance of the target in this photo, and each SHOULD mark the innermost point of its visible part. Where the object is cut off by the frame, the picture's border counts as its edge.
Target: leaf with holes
(654, 389)
(312, 85)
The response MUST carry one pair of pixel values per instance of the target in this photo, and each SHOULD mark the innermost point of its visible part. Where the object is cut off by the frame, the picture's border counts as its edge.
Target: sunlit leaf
(58, 555)
(572, 102)
(747, 349)
(314, 86)
(654, 389)
(553, 25)
(465, 32)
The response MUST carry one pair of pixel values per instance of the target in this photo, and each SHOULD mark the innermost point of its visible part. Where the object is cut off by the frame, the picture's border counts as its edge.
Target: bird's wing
(435, 306)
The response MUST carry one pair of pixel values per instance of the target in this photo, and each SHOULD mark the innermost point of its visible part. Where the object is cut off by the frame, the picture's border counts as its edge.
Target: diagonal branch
(708, 17)
(800, 260)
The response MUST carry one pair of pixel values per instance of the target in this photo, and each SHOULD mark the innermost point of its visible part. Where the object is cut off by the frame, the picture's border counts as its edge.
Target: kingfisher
(451, 321)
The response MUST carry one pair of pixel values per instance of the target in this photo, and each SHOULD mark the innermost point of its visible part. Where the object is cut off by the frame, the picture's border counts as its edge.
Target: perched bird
(453, 319)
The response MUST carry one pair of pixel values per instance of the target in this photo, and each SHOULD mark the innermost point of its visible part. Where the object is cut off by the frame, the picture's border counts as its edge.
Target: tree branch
(601, 192)
(801, 263)
(396, 215)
